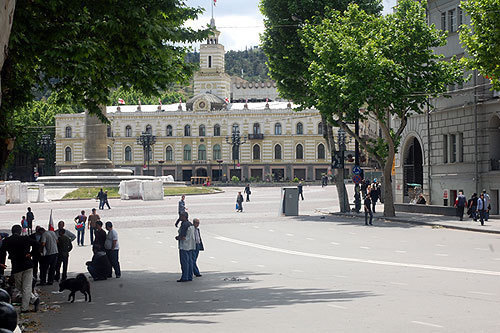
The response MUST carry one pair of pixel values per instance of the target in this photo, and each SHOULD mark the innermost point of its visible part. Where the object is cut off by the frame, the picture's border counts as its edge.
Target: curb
(168, 195)
(400, 220)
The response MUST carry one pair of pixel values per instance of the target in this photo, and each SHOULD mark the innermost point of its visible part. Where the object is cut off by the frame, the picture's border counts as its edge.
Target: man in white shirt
(48, 246)
(198, 246)
(186, 246)
(112, 247)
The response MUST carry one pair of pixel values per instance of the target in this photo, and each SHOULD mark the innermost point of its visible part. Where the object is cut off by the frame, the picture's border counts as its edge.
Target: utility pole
(357, 195)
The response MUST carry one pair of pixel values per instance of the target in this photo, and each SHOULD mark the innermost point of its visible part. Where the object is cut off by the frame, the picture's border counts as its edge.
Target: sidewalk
(491, 226)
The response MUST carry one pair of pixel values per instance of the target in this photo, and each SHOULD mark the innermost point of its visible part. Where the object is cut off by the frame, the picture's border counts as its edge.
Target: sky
(239, 21)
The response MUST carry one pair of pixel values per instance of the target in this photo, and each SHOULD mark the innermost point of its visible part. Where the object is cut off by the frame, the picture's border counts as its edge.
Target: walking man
(247, 191)
(100, 196)
(181, 209)
(93, 218)
(239, 202)
(199, 246)
(111, 245)
(80, 227)
(460, 204)
(301, 194)
(63, 249)
(481, 208)
(49, 257)
(105, 200)
(368, 210)
(18, 248)
(486, 205)
(30, 217)
(186, 246)
(374, 195)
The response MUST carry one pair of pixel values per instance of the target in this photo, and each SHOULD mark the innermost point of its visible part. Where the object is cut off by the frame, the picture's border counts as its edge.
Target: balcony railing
(495, 165)
(259, 136)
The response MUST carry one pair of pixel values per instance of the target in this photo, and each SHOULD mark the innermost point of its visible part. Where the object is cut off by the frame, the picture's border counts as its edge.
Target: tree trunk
(389, 210)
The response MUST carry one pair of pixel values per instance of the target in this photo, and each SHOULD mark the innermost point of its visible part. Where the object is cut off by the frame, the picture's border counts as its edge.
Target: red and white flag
(159, 100)
(215, 2)
(180, 100)
(121, 101)
(51, 222)
(227, 100)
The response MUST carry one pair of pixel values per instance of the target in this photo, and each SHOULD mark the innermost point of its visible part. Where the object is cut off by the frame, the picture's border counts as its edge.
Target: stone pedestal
(96, 147)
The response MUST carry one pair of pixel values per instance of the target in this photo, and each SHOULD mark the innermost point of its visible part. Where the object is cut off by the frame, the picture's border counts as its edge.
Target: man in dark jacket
(100, 267)
(19, 248)
(30, 217)
(35, 253)
(63, 247)
(374, 195)
(248, 192)
(460, 204)
(100, 235)
(239, 202)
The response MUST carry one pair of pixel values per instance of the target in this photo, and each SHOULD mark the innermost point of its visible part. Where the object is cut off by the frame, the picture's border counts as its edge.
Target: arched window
(67, 154)
(128, 131)
(128, 154)
(187, 130)
(320, 128)
(202, 153)
(256, 128)
(217, 154)
(187, 152)
(109, 133)
(321, 152)
(236, 128)
(216, 130)
(110, 155)
(277, 129)
(169, 130)
(299, 152)
(300, 129)
(68, 132)
(169, 154)
(256, 152)
(149, 129)
(277, 152)
(201, 130)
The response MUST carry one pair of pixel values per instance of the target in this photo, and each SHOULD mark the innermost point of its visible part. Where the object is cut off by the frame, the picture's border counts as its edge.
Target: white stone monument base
(3, 194)
(17, 192)
(36, 193)
(130, 189)
(152, 190)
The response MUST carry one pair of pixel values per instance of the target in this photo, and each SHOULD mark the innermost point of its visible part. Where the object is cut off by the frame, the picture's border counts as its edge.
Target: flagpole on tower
(213, 5)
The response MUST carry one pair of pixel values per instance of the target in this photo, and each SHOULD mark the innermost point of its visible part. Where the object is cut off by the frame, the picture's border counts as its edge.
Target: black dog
(80, 283)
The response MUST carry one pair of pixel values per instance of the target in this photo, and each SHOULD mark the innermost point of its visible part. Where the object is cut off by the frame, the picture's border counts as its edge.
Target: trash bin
(290, 201)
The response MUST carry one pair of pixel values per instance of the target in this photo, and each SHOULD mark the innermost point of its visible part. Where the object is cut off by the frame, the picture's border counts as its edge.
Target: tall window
(277, 152)
(149, 129)
(187, 130)
(256, 152)
(201, 130)
(217, 153)
(320, 128)
(169, 130)
(217, 130)
(256, 128)
(452, 20)
(299, 152)
(110, 155)
(109, 133)
(236, 128)
(460, 17)
(453, 148)
(187, 153)
(321, 152)
(169, 154)
(445, 148)
(128, 154)
(128, 131)
(67, 154)
(202, 153)
(443, 21)
(68, 131)
(277, 129)
(300, 129)
(209, 61)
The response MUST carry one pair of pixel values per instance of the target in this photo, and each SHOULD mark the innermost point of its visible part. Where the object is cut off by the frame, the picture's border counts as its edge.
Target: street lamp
(357, 195)
(45, 142)
(236, 140)
(146, 140)
(220, 169)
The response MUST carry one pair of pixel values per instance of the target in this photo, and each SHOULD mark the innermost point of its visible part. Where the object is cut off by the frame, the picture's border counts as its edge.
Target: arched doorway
(413, 168)
(201, 172)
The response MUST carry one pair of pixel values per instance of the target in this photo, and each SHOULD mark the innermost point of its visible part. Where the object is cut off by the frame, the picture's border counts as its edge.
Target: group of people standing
(478, 207)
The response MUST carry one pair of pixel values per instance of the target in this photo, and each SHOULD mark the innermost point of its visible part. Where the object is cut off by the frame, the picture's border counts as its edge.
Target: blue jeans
(92, 231)
(195, 254)
(186, 258)
(80, 236)
(113, 260)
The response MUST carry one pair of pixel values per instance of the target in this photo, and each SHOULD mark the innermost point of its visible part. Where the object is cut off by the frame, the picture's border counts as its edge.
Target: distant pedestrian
(93, 218)
(368, 210)
(364, 185)
(300, 188)
(30, 217)
(69, 234)
(421, 200)
(64, 247)
(181, 208)
(18, 248)
(99, 267)
(48, 261)
(239, 202)
(247, 191)
(187, 244)
(324, 180)
(100, 235)
(80, 221)
(487, 204)
(460, 204)
(472, 204)
(24, 226)
(481, 208)
(199, 247)
(105, 200)
(112, 247)
(374, 194)
(100, 196)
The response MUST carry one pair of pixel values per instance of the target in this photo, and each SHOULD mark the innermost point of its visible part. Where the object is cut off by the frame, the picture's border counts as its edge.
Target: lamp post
(236, 140)
(146, 140)
(357, 195)
(45, 142)
(220, 169)
(341, 139)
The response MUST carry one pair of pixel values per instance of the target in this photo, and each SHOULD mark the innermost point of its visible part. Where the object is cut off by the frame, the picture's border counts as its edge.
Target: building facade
(455, 145)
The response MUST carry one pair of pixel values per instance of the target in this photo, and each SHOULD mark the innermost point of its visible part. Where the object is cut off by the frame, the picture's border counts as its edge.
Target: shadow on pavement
(142, 297)
(354, 221)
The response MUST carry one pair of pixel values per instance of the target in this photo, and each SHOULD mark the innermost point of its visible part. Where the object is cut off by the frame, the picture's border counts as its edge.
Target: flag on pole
(215, 3)
(227, 100)
(180, 100)
(121, 101)
(51, 222)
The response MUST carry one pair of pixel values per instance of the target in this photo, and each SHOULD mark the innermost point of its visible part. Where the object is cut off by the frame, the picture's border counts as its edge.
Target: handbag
(80, 226)
(237, 206)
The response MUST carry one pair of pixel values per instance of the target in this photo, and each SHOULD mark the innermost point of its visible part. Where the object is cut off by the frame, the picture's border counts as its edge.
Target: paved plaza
(267, 273)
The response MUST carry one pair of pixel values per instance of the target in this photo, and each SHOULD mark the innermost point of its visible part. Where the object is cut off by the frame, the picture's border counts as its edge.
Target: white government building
(191, 137)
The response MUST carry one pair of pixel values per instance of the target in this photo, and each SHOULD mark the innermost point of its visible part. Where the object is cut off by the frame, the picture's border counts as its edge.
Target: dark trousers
(374, 202)
(460, 212)
(301, 195)
(368, 213)
(186, 259)
(80, 236)
(240, 206)
(62, 259)
(106, 203)
(248, 197)
(92, 234)
(113, 260)
(101, 204)
(481, 214)
(195, 254)
(48, 266)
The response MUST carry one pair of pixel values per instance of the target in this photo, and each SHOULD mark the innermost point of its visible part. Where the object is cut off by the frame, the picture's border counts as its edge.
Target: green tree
(385, 67)
(482, 38)
(85, 49)
(287, 59)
